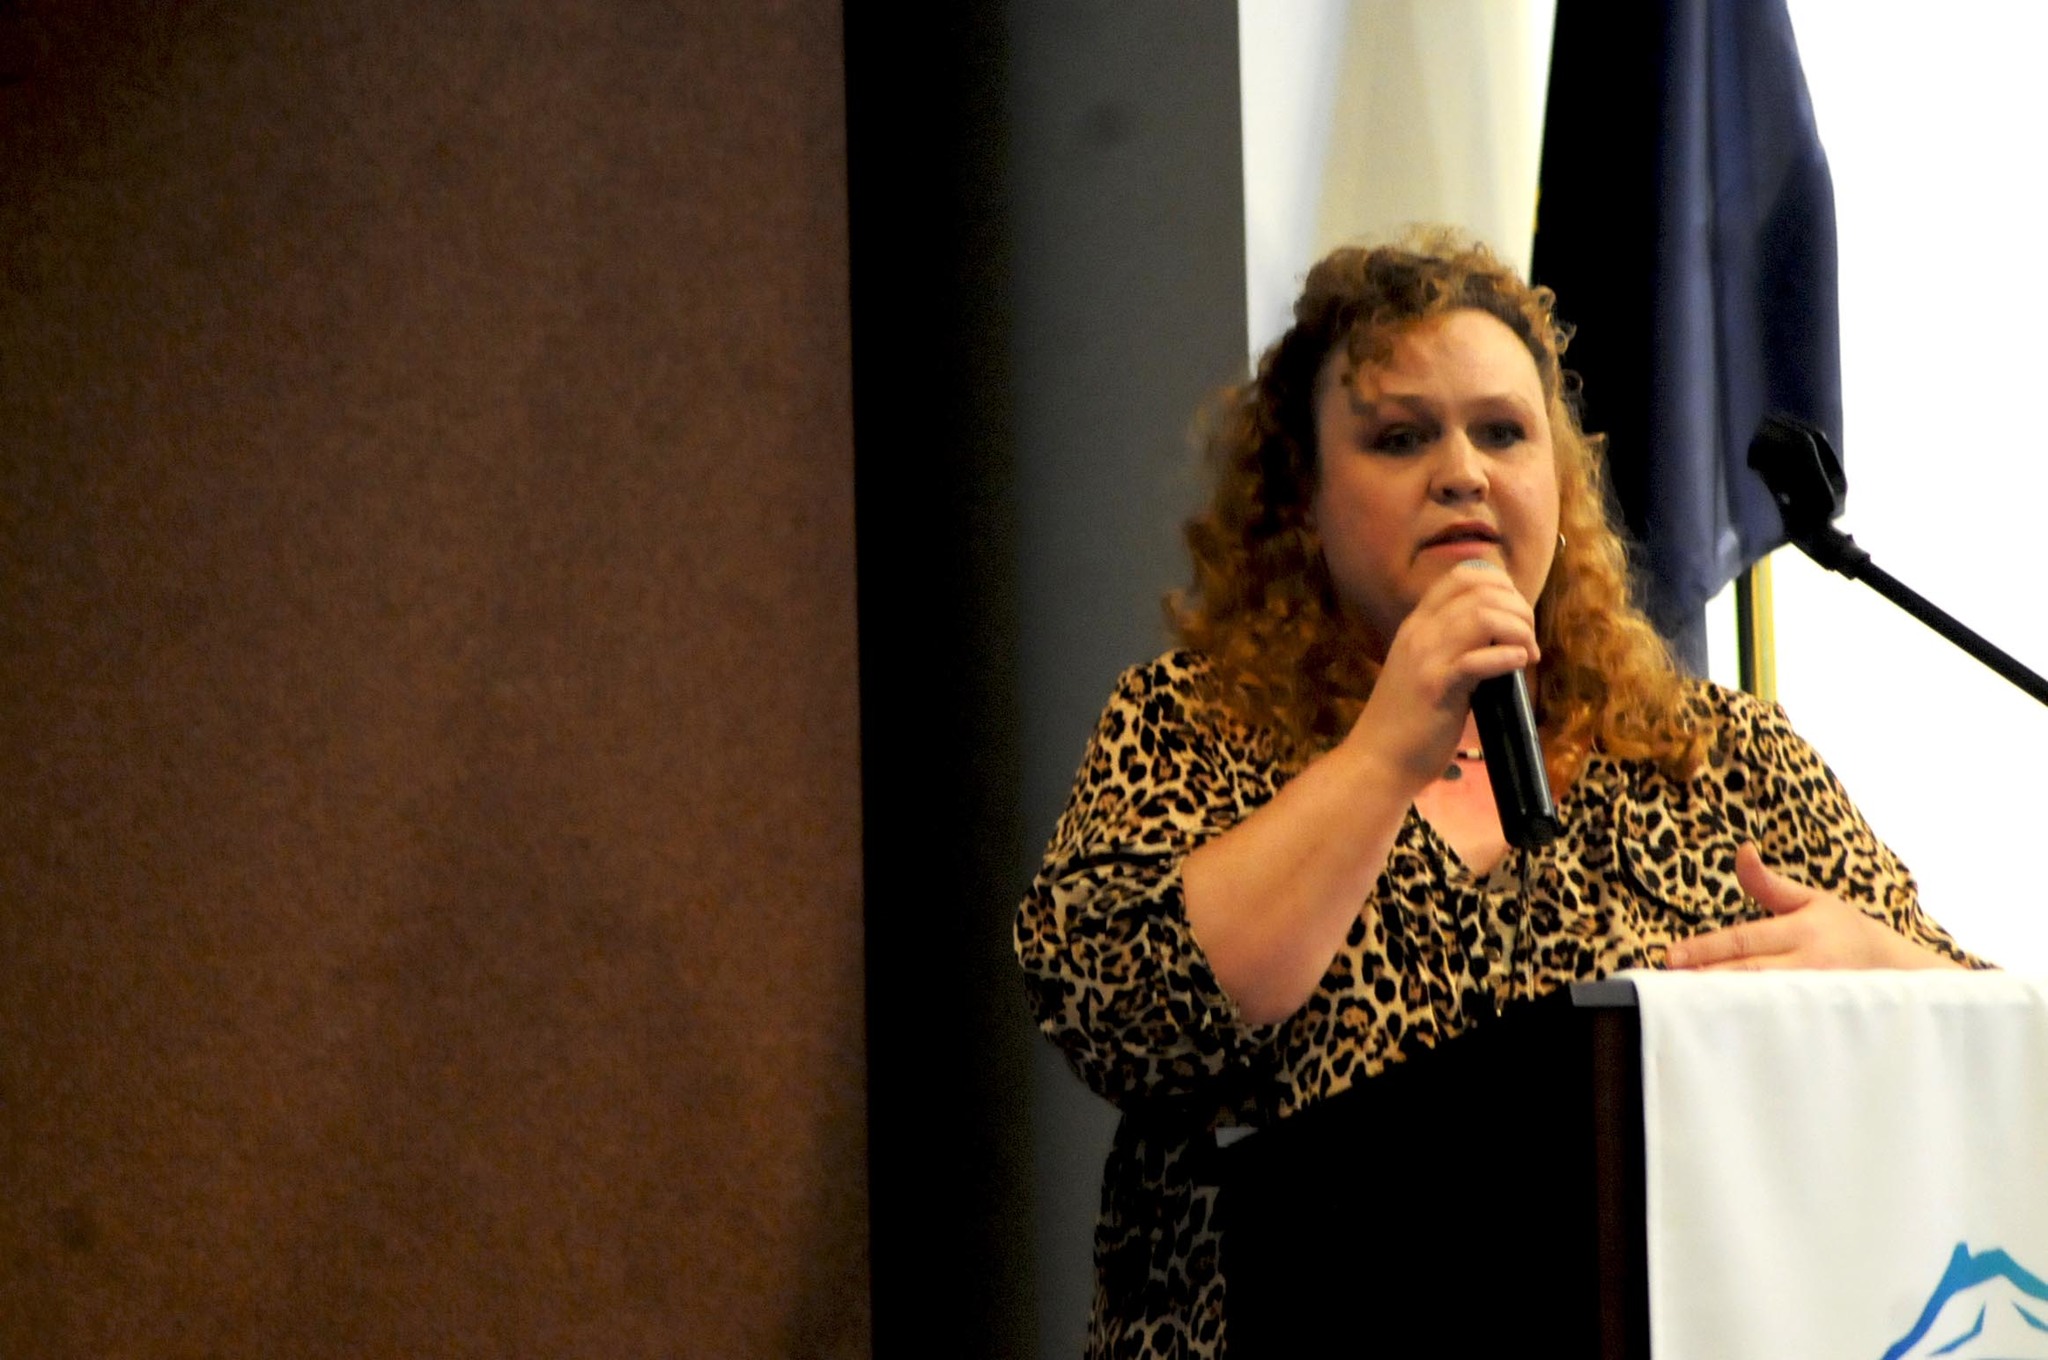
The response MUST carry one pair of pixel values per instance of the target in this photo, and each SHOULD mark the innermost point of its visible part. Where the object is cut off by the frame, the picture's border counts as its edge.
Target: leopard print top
(1120, 984)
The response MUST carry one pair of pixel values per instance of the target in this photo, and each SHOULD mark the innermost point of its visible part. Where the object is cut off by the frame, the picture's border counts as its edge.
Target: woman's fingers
(1487, 662)
(1749, 945)
(1773, 891)
(1788, 939)
(1825, 932)
(1469, 625)
(1464, 612)
(1807, 928)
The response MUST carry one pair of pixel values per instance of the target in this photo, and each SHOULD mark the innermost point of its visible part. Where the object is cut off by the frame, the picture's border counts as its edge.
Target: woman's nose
(1460, 471)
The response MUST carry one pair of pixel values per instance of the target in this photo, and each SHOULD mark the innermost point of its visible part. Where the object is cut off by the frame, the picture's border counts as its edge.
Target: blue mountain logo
(1987, 1307)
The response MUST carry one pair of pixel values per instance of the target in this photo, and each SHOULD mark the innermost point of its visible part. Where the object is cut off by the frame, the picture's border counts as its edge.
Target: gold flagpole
(1756, 648)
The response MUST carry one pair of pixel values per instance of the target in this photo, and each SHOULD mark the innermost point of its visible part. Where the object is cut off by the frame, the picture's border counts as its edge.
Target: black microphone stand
(1805, 478)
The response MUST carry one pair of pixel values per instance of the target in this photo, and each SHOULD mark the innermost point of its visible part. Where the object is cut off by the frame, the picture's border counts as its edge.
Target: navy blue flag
(1687, 222)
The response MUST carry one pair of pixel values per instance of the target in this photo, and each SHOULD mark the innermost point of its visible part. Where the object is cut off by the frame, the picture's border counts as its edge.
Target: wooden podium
(1482, 1199)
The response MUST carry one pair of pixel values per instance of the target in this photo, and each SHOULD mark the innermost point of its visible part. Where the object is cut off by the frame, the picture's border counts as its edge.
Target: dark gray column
(1049, 281)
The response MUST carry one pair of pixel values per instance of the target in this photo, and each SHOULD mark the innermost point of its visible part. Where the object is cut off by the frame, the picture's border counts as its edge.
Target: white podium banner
(1848, 1165)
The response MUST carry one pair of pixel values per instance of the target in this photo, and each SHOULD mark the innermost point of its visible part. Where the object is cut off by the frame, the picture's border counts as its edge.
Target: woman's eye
(1499, 434)
(1399, 439)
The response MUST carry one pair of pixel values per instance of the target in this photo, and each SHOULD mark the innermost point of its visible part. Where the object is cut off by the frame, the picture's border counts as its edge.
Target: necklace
(1452, 770)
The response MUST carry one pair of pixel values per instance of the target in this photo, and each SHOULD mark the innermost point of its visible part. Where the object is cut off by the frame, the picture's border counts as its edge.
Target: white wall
(1933, 127)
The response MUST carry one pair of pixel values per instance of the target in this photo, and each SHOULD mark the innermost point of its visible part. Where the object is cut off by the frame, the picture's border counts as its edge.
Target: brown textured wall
(429, 867)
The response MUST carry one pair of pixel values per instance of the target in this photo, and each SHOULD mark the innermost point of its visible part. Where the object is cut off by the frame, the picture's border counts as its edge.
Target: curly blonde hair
(1262, 606)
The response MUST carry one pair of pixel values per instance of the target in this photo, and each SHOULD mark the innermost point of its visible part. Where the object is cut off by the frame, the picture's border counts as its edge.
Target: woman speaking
(1281, 868)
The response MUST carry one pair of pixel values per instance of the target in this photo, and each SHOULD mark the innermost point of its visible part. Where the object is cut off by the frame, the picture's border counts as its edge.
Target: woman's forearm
(1271, 900)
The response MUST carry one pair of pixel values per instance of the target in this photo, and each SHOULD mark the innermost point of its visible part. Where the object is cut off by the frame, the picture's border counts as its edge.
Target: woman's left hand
(1807, 928)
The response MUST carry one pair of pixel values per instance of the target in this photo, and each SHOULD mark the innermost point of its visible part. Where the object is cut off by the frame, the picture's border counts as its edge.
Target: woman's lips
(1461, 548)
(1463, 540)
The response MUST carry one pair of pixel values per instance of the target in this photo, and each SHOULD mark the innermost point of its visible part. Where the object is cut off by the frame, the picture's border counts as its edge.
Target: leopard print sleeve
(1805, 825)
(1115, 977)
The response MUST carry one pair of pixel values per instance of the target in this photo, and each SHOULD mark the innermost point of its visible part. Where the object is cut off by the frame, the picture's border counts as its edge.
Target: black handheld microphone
(1514, 760)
